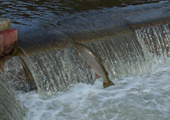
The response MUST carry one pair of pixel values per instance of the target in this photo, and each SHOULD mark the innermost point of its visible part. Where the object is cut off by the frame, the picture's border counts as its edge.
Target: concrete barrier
(8, 40)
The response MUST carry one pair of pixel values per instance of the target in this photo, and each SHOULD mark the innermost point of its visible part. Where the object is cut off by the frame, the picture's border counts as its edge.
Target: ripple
(41, 9)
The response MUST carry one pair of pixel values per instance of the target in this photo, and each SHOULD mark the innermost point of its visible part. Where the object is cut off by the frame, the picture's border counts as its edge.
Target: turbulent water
(141, 97)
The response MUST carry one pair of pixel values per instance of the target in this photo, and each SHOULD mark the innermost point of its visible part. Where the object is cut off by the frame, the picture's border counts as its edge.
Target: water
(141, 78)
(28, 14)
(54, 70)
(129, 54)
(156, 39)
(10, 107)
(141, 97)
(141, 90)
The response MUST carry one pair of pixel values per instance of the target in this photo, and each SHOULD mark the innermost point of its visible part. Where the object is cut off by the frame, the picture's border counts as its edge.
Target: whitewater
(135, 97)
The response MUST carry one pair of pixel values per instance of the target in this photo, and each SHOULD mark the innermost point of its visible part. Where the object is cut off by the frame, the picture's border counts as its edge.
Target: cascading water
(10, 107)
(156, 39)
(56, 69)
(137, 61)
(129, 60)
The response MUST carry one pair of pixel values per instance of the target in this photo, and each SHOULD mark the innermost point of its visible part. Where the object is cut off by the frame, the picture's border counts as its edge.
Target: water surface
(28, 14)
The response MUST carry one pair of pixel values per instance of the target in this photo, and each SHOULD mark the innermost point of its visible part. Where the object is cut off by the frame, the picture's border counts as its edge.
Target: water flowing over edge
(57, 70)
(129, 54)
(10, 106)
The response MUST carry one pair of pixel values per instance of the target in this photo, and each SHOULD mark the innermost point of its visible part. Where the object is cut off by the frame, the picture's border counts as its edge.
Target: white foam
(134, 97)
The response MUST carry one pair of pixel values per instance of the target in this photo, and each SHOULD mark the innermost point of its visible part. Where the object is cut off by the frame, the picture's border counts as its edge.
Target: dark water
(45, 14)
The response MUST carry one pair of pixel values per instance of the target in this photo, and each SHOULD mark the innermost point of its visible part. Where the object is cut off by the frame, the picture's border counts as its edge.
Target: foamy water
(141, 97)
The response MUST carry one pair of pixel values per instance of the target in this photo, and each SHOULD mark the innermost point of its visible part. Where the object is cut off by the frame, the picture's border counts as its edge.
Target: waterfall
(55, 70)
(10, 107)
(156, 39)
(127, 54)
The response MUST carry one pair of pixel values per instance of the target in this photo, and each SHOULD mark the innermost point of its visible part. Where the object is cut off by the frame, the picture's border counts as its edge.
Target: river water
(44, 14)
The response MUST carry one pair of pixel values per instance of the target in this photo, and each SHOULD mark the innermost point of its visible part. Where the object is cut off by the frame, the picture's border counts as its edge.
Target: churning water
(141, 97)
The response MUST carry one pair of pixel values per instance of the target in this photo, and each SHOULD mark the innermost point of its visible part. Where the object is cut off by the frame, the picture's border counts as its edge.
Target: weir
(129, 54)
(122, 38)
(55, 70)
